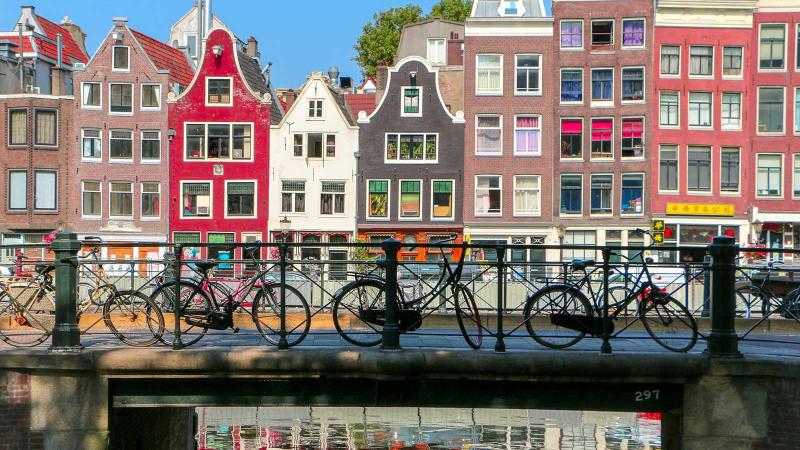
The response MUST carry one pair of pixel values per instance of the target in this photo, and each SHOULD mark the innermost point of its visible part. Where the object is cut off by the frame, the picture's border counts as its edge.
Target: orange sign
(695, 209)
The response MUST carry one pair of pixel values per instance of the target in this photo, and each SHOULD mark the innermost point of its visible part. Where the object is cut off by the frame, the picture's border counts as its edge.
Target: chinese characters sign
(694, 209)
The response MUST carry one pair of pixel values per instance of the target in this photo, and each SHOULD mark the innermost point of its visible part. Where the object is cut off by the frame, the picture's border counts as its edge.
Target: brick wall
(15, 413)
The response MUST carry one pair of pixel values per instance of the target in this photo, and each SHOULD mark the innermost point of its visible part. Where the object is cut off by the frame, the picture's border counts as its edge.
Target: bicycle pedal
(235, 330)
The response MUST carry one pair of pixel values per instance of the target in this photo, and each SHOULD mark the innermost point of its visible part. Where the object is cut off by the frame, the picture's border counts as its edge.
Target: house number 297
(644, 396)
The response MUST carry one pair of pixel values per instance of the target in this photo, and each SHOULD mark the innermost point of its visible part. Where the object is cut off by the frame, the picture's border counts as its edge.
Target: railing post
(606, 347)
(177, 341)
(723, 340)
(66, 333)
(500, 345)
(391, 327)
(283, 248)
(706, 286)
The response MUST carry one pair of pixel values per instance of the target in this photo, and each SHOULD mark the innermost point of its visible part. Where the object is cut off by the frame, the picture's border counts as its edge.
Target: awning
(778, 217)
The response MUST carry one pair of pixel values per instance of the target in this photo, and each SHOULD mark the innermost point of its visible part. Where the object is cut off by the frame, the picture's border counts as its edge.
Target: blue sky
(298, 36)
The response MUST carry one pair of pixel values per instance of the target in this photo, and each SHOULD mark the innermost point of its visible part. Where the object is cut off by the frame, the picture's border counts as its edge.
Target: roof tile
(166, 57)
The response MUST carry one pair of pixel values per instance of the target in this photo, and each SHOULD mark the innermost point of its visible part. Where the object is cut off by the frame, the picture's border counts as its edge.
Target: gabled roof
(338, 98)
(43, 40)
(360, 102)
(166, 57)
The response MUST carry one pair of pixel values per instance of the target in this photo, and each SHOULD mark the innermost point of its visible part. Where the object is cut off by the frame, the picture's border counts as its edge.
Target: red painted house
(219, 156)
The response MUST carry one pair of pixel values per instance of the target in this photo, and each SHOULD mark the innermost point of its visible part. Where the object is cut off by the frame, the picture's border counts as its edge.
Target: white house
(313, 171)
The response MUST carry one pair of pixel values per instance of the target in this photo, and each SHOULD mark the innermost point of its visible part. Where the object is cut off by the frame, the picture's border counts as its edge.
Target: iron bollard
(391, 328)
(687, 279)
(606, 347)
(500, 345)
(706, 286)
(283, 344)
(723, 340)
(66, 333)
(177, 341)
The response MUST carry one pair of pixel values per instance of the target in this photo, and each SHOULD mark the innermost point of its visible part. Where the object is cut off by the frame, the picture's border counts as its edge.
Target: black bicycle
(359, 307)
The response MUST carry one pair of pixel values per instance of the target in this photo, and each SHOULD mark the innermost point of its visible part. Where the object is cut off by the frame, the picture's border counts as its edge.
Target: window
(772, 48)
(633, 32)
(151, 200)
(121, 98)
(527, 136)
(437, 51)
(633, 84)
(796, 175)
(602, 186)
(121, 199)
(412, 102)
(731, 110)
(489, 135)
(17, 190)
(571, 194)
(151, 145)
(92, 204)
(571, 138)
(769, 179)
(489, 74)
(120, 144)
(332, 199)
(572, 34)
(221, 140)
(45, 190)
(669, 105)
(410, 199)
(571, 85)
(151, 96)
(527, 195)
(633, 137)
(602, 132)
(378, 195)
(699, 169)
(729, 170)
(602, 33)
(242, 142)
(670, 60)
(770, 110)
(191, 45)
(732, 61)
(411, 147)
(602, 85)
(632, 194)
(240, 198)
(330, 145)
(315, 109)
(90, 95)
(218, 91)
(121, 60)
(17, 127)
(314, 142)
(528, 74)
(196, 199)
(668, 168)
(797, 46)
(298, 145)
(92, 144)
(195, 141)
(797, 110)
(701, 60)
(46, 130)
(572, 237)
(293, 196)
(699, 109)
(488, 195)
(442, 193)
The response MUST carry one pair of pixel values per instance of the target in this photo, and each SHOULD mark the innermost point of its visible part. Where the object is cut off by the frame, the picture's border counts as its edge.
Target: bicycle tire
(344, 314)
(469, 317)
(128, 304)
(746, 298)
(90, 294)
(201, 307)
(23, 329)
(569, 297)
(654, 310)
(272, 333)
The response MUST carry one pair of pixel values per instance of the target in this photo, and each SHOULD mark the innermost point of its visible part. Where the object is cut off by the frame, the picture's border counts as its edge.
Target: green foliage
(380, 37)
(455, 10)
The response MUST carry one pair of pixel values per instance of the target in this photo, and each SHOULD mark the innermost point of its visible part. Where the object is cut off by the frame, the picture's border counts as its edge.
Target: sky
(297, 36)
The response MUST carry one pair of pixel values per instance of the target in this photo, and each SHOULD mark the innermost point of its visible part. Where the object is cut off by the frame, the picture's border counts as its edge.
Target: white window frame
(680, 61)
(583, 35)
(758, 103)
(255, 199)
(444, 51)
(452, 200)
(83, 192)
(644, 137)
(498, 153)
(538, 210)
(796, 123)
(613, 197)
(710, 126)
(713, 63)
(305, 193)
(141, 97)
(55, 200)
(603, 103)
(403, 112)
(678, 124)
(738, 190)
(500, 184)
(613, 33)
(144, 160)
(622, 85)
(711, 173)
(133, 200)
(477, 68)
(213, 105)
(560, 86)
(114, 59)
(83, 136)
(210, 199)
(583, 197)
(410, 161)
(677, 149)
(388, 200)
(333, 209)
(786, 44)
(319, 104)
(782, 179)
(537, 92)
(611, 157)
(230, 159)
(644, 193)
(133, 147)
(100, 93)
(723, 127)
(583, 138)
(133, 100)
(795, 167)
(141, 201)
(722, 62)
(539, 145)
(622, 34)
(400, 200)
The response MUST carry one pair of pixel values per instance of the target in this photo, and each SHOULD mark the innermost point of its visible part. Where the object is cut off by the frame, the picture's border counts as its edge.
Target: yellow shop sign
(698, 209)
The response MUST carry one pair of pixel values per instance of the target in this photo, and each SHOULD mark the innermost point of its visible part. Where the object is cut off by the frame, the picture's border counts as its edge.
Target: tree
(380, 37)
(455, 10)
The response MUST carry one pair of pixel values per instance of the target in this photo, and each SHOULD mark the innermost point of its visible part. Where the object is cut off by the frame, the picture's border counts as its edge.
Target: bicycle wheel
(134, 318)
(194, 303)
(668, 322)
(617, 295)
(469, 318)
(27, 324)
(359, 311)
(552, 316)
(749, 300)
(267, 314)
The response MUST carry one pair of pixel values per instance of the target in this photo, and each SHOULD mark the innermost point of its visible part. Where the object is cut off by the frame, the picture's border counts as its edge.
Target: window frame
(110, 97)
(294, 193)
(738, 151)
(499, 188)
(785, 47)
(84, 192)
(713, 62)
(661, 55)
(210, 199)
(141, 201)
(644, 33)
(538, 210)
(561, 31)
(8, 127)
(110, 140)
(561, 135)
(420, 196)
(602, 103)
(424, 159)
(758, 111)
(99, 93)
(591, 192)
(741, 66)
(334, 194)
(622, 213)
(229, 159)
(781, 194)
(561, 195)
(710, 126)
(538, 145)
(561, 86)
(83, 137)
(218, 104)
(487, 92)
(622, 85)
(677, 149)
(444, 50)
(319, 108)
(452, 199)
(677, 124)
(114, 67)
(701, 192)
(795, 175)
(227, 214)
(388, 200)
(500, 127)
(603, 47)
(8, 190)
(132, 193)
(538, 91)
(55, 190)
(796, 124)
(403, 112)
(622, 138)
(610, 157)
(148, 160)
(141, 97)
(723, 126)
(36, 111)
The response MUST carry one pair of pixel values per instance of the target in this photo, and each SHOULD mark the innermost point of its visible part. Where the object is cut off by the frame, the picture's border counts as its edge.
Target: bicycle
(200, 309)
(359, 307)
(760, 297)
(566, 315)
(27, 307)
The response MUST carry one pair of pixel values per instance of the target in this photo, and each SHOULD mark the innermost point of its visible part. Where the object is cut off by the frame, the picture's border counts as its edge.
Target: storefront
(778, 231)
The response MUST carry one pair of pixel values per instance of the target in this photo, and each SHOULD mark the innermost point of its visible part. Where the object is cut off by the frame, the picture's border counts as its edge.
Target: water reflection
(423, 429)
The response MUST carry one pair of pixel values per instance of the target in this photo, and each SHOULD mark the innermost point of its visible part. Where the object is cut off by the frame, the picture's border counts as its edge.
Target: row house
(119, 190)
(508, 141)
(312, 170)
(219, 157)
(188, 31)
(37, 113)
(602, 76)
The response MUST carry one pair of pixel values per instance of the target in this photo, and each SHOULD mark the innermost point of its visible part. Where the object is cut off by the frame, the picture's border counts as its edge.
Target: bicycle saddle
(205, 266)
(381, 262)
(44, 267)
(580, 264)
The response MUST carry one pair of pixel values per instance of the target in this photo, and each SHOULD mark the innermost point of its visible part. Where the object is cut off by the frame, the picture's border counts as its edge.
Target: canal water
(376, 428)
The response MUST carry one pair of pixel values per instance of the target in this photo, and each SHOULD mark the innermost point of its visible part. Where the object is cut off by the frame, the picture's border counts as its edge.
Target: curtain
(46, 128)
(19, 127)
(633, 32)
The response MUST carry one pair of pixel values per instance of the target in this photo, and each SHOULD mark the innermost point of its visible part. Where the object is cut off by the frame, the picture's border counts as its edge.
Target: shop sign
(695, 209)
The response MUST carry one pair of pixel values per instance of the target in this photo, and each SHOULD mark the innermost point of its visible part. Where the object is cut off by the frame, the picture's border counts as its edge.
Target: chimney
(289, 97)
(381, 78)
(208, 16)
(76, 32)
(252, 48)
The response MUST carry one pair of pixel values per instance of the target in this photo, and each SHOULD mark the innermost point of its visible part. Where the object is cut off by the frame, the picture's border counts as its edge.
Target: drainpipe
(21, 60)
(200, 34)
(208, 16)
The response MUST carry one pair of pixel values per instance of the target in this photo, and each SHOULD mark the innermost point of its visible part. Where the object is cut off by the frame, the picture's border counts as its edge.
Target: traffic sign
(659, 225)
(658, 237)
